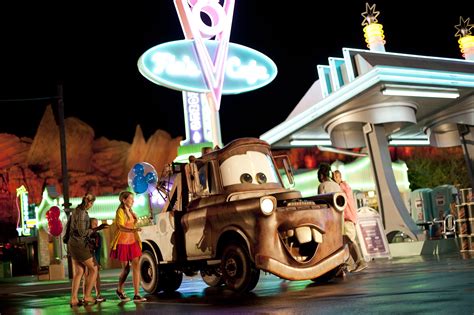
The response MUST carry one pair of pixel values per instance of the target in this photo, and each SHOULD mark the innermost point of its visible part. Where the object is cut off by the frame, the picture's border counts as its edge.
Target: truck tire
(149, 272)
(170, 280)
(213, 279)
(238, 271)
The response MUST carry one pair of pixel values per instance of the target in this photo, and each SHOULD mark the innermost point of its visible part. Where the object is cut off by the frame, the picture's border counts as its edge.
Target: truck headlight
(267, 205)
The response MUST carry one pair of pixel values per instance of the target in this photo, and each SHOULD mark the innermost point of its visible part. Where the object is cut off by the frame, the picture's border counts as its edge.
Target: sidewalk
(10, 285)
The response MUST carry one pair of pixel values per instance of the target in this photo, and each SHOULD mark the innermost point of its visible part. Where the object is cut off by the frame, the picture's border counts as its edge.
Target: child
(95, 245)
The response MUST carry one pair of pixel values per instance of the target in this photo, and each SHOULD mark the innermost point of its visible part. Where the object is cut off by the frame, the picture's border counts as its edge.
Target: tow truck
(231, 214)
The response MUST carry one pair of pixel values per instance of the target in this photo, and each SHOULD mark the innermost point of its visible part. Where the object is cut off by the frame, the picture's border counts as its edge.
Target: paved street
(412, 285)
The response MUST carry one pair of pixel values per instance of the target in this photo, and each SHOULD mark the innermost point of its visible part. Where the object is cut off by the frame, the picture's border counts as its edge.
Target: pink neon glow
(189, 12)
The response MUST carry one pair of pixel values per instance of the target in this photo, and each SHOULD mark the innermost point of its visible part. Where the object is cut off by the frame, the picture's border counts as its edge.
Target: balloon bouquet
(142, 178)
(55, 226)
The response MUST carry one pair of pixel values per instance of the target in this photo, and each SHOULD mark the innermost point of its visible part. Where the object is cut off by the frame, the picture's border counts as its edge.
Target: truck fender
(152, 247)
(233, 234)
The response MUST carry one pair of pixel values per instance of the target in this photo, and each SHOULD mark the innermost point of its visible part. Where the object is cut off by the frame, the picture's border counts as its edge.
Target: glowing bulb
(374, 37)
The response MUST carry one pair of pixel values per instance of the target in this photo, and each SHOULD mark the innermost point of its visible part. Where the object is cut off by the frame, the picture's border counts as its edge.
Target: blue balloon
(139, 184)
(151, 178)
(138, 169)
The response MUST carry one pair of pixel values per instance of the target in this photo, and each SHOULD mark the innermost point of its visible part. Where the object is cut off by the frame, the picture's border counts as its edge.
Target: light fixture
(409, 142)
(420, 91)
(309, 143)
(341, 151)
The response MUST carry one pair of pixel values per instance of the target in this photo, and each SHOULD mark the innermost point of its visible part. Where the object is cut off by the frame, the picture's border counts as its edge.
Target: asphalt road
(411, 285)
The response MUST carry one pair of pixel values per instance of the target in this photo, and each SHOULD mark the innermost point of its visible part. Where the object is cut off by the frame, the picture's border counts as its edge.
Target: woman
(350, 222)
(81, 257)
(127, 246)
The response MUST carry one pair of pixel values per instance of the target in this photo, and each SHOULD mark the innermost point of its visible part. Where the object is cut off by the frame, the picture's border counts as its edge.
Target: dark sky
(92, 47)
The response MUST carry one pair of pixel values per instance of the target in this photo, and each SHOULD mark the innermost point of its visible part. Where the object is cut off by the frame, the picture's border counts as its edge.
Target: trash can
(6, 269)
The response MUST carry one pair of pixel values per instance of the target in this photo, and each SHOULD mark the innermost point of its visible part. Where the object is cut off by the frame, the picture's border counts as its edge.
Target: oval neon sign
(176, 66)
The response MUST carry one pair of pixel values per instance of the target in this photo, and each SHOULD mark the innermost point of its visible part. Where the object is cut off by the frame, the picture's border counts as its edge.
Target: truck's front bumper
(302, 273)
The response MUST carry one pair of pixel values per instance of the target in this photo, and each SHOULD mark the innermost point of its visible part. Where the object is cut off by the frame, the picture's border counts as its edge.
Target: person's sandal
(100, 298)
(89, 302)
(122, 296)
(79, 303)
(138, 298)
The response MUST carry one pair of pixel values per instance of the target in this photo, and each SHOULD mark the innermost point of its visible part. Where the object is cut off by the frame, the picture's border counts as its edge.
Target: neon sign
(171, 65)
(206, 62)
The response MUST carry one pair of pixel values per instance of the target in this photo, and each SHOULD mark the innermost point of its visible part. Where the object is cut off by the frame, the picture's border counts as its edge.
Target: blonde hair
(122, 196)
(87, 198)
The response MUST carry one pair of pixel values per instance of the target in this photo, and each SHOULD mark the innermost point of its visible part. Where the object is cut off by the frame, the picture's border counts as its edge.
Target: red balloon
(54, 223)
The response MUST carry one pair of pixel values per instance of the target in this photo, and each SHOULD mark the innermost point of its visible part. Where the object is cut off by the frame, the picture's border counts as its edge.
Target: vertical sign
(371, 235)
(197, 118)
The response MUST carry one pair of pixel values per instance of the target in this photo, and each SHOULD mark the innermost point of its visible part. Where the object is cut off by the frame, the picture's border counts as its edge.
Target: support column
(395, 216)
(466, 135)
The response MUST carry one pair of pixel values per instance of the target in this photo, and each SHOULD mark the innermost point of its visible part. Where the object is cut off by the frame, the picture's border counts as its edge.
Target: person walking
(81, 256)
(126, 246)
(350, 221)
(95, 245)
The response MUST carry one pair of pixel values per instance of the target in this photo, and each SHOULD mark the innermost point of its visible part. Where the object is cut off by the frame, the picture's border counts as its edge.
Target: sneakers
(138, 298)
(122, 296)
(100, 298)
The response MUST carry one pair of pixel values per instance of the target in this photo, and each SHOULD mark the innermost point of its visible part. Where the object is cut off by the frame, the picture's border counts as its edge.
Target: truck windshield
(250, 168)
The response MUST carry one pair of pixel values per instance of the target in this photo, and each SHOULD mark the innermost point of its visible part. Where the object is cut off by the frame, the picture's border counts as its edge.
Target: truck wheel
(238, 271)
(149, 272)
(213, 278)
(170, 280)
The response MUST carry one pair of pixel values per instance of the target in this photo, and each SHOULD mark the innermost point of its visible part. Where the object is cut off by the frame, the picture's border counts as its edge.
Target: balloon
(151, 178)
(139, 184)
(55, 226)
(138, 181)
(138, 169)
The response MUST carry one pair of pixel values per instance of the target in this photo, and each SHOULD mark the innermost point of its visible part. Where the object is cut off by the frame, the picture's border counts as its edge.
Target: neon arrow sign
(206, 62)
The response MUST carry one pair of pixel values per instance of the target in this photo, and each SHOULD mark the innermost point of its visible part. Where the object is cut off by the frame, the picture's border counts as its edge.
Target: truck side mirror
(192, 177)
(284, 160)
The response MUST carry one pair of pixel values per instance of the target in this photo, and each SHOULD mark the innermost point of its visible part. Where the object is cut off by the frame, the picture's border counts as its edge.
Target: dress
(125, 245)
(79, 235)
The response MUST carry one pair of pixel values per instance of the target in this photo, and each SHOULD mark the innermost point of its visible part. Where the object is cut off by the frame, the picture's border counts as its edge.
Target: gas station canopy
(409, 94)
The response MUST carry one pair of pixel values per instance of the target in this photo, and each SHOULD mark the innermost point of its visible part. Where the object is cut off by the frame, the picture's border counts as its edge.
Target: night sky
(92, 48)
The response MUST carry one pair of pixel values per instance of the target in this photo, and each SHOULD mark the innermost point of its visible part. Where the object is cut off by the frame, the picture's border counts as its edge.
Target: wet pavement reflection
(416, 284)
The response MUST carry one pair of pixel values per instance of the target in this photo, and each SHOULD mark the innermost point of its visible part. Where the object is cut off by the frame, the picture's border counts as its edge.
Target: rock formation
(98, 165)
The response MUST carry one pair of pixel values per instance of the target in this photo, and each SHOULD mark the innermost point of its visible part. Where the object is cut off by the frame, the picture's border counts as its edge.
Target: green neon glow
(176, 66)
(185, 151)
(104, 207)
(307, 183)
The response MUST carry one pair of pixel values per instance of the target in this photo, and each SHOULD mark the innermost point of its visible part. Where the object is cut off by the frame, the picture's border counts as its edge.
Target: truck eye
(246, 178)
(261, 178)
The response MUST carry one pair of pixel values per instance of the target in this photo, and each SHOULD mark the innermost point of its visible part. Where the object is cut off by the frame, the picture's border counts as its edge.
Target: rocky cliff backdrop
(95, 165)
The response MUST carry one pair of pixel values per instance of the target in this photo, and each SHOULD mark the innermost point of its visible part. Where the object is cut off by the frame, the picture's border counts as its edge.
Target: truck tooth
(317, 236)
(303, 234)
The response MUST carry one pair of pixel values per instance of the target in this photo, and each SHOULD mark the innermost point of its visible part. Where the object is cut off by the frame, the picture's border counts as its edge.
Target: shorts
(350, 230)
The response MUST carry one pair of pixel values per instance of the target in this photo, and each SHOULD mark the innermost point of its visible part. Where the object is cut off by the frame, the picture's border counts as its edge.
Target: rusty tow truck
(227, 215)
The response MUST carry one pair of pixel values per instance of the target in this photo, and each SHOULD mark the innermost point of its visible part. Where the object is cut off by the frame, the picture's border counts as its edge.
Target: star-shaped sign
(370, 15)
(464, 28)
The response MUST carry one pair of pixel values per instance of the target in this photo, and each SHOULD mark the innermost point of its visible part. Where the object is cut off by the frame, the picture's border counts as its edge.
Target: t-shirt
(328, 186)
(350, 212)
